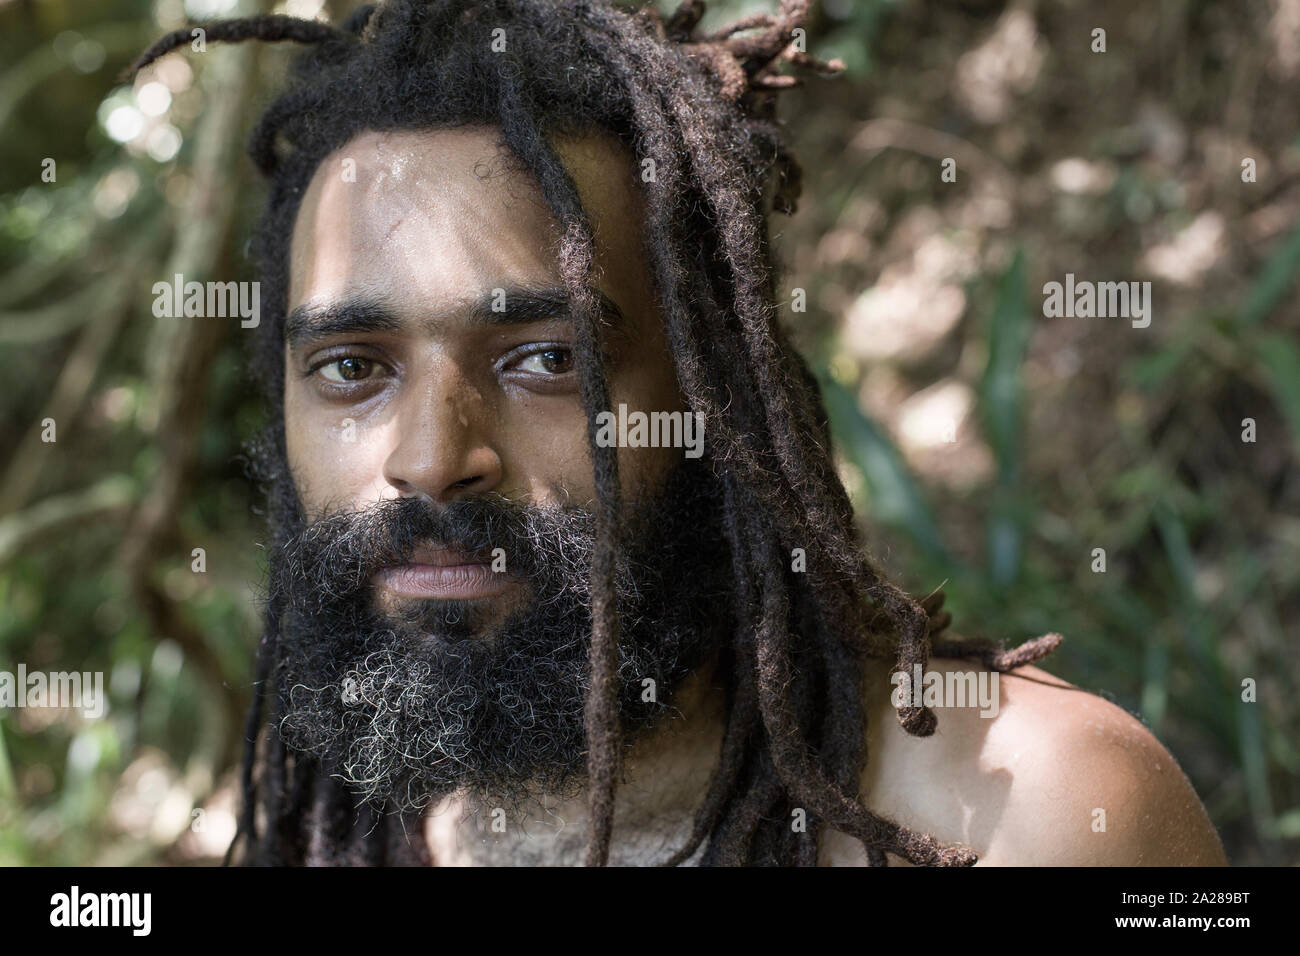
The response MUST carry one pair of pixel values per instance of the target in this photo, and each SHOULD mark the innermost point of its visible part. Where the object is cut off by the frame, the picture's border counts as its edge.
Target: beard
(411, 701)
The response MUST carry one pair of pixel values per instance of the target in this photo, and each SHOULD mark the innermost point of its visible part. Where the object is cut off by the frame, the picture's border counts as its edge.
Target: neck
(664, 779)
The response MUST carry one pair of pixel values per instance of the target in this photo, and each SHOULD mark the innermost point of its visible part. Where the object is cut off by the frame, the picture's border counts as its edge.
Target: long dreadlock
(702, 107)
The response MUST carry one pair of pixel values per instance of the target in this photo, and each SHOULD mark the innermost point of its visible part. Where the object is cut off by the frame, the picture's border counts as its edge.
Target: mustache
(339, 552)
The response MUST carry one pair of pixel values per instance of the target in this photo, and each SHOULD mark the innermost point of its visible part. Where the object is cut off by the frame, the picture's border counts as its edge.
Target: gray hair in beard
(407, 707)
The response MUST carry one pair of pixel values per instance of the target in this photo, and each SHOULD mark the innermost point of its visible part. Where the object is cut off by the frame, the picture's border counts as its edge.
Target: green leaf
(1254, 764)
(1002, 410)
(1154, 369)
(896, 498)
(7, 789)
(1288, 824)
(1274, 281)
(1281, 360)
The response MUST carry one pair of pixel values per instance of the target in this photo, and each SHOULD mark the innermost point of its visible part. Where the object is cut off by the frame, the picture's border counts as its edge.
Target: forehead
(425, 217)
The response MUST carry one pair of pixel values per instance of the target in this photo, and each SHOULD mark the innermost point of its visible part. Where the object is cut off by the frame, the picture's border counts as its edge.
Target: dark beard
(410, 705)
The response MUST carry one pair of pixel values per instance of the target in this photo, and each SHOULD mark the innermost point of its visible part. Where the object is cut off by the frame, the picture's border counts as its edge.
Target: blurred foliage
(989, 449)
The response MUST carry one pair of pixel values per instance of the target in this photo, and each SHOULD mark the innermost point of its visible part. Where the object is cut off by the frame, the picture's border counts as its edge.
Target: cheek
(543, 444)
(649, 386)
(335, 461)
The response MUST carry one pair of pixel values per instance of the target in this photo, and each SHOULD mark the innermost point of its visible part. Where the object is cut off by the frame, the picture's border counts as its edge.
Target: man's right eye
(349, 368)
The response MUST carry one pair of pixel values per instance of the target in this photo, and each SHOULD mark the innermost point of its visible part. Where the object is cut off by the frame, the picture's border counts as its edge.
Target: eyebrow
(519, 305)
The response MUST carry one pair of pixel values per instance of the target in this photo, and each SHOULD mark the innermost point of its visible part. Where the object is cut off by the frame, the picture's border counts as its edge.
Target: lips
(438, 573)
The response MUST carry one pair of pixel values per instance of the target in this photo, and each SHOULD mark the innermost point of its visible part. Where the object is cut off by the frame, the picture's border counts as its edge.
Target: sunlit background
(989, 449)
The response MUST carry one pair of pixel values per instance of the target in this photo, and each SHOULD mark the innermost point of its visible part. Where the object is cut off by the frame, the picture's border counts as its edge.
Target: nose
(444, 445)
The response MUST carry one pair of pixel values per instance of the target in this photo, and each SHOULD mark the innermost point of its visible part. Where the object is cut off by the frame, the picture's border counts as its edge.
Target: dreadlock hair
(702, 106)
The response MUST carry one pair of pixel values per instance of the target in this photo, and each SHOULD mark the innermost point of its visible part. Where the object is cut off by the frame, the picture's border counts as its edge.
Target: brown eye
(548, 362)
(352, 368)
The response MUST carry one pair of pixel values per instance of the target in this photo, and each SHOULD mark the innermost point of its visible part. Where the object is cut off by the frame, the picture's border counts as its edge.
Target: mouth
(441, 573)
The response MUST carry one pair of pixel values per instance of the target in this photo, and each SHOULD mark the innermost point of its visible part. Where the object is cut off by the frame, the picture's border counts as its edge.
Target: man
(509, 621)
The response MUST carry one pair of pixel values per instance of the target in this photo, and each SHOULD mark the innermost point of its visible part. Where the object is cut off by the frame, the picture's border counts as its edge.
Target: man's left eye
(551, 361)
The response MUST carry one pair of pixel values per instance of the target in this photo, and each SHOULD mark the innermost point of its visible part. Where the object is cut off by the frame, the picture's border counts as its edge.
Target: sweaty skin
(423, 224)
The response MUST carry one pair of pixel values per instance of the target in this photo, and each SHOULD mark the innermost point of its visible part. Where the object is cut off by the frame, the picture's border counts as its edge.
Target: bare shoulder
(1033, 771)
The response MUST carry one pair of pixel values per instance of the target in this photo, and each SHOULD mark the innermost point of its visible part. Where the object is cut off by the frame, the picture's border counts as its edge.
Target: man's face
(453, 401)
(439, 609)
